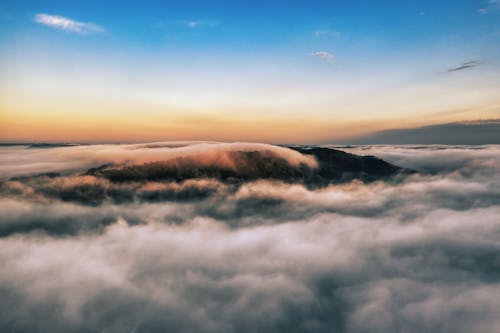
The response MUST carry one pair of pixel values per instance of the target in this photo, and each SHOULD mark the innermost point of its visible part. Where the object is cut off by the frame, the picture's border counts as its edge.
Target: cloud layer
(420, 254)
(479, 132)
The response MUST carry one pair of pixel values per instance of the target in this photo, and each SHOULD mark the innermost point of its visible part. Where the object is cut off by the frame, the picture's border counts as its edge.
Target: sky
(268, 71)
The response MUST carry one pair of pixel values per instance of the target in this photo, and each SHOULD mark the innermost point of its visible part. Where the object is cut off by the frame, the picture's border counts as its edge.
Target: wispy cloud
(490, 6)
(185, 23)
(66, 24)
(326, 33)
(200, 24)
(465, 65)
(324, 55)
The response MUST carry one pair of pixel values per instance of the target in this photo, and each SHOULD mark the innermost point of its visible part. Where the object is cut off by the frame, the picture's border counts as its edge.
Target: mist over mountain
(331, 166)
(195, 174)
(216, 237)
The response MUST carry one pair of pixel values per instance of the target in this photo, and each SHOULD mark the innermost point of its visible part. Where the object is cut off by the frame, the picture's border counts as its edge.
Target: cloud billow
(418, 254)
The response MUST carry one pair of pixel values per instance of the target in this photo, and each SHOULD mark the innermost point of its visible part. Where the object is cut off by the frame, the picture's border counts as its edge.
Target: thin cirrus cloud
(491, 5)
(186, 23)
(200, 24)
(324, 55)
(326, 33)
(465, 65)
(68, 25)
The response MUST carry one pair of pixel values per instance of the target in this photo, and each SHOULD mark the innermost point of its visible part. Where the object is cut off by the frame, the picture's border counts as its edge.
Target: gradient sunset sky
(270, 71)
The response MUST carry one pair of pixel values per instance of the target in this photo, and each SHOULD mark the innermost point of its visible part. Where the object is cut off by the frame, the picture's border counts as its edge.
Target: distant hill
(459, 133)
(198, 174)
(334, 166)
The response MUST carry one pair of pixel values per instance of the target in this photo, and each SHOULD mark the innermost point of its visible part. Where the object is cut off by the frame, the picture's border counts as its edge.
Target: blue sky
(268, 61)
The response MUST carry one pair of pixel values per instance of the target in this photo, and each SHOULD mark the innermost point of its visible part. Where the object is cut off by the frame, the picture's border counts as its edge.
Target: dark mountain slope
(200, 175)
(334, 166)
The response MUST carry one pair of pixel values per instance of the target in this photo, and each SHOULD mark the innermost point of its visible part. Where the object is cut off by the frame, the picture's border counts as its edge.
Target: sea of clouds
(82, 254)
